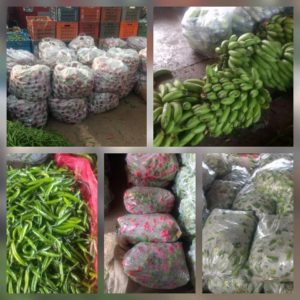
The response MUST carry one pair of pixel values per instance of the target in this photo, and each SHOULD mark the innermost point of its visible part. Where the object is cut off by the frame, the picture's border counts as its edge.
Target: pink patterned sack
(147, 200)
(151, 169)
(149, 228)
(157, 265)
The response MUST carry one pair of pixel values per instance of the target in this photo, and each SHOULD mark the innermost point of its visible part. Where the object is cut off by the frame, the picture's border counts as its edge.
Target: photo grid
(149, 148)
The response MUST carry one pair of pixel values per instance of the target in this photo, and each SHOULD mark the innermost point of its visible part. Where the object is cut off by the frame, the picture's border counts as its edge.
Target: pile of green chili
(48, 237)
(19, 135)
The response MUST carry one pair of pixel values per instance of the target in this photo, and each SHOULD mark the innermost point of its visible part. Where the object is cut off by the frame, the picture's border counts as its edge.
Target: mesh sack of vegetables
(110, 75)
(72, 80)
(25, 159)
(157, 265)
(266, 158)
(87, 55)
(140, 87)
(68, 110)
(208, 176)
(187, 215)
(30, 82)
(148, 200)
(271, 287)
(18, 57)
(102, 102)
(29, 113)
(49, 43)
(241, 283)
(82, 41)
(143, 60)
(275, 180)
(48, 234)
(271, 256)
(189, 160)
(55, 55)
(239, 175)
(155, 169)
(129, 86)
(206, 27)
(222, 194)
(218, 162)
(112, 43)
(226, 241)
(185, 183)
(137, 42)
(149, 228)
(131, 59)
(249, 199)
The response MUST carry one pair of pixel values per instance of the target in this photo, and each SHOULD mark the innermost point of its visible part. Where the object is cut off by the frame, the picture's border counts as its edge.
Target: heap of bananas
(231, 95)
(176, 122)
(234, 99)
(278, 28)
(273, 61)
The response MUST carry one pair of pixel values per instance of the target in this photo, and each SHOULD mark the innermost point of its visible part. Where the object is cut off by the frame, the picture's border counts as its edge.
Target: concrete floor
(172, 51)
(122, 126)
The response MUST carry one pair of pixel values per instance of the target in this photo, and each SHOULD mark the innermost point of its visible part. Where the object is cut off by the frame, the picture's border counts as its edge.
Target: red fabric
(89, 189)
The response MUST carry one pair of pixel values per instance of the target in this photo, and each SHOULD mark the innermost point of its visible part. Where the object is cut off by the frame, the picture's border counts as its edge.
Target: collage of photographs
(172, 174)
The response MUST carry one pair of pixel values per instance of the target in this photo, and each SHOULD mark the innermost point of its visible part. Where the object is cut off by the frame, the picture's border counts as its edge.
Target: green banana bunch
(229, 99)
(273, 62)
(279, 28)
(175, 124)
(235, 99)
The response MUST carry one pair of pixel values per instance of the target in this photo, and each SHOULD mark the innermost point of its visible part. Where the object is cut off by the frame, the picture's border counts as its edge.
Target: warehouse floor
(123, 126)
(172, 51)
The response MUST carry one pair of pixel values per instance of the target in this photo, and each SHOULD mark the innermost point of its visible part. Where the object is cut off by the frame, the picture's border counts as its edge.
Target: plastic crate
(65, 14)
(128, 29)
(131, 13)
(18, 40)
(66, 31)
(111, 14)
(40, 27)
(108, 30)
(90, 14)
(89, 28)
(142, 29)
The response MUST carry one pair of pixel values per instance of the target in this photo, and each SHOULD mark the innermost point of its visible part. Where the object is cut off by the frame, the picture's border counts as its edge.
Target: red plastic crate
(90, 14)
(40, 27)
(111, 14)
(66, 31)
(89, 28)
(128, 29)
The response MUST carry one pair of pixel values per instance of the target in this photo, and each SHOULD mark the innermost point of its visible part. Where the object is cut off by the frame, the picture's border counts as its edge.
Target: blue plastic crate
(19, 40)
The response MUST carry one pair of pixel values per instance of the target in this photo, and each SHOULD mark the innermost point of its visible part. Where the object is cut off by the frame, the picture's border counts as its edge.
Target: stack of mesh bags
(157, 259)
(29, 88)
(247, 244)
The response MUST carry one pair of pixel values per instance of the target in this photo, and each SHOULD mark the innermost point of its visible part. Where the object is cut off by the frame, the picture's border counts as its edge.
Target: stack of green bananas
(234, 99)
(278, 28)
(175, 118)
(273, 62)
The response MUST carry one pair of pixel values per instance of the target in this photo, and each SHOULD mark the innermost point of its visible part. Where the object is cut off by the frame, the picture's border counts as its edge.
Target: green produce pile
(21, 136)
(47, 231)
(233, 93)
